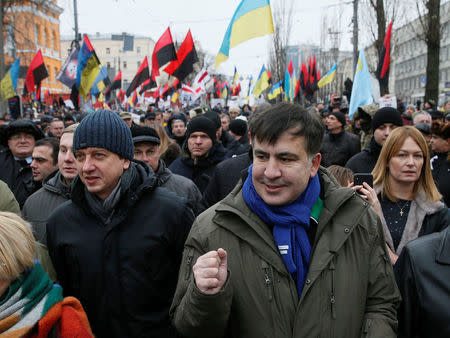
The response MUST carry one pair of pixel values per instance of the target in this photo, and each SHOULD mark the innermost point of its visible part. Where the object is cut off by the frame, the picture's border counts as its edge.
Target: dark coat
(39, 206)
(200, 173)
(235, 148)
(124, 271)
(350, 289)
(365, 161)
(441, 175)
(338, 148)
(423, 274)
(225, 177)
(17, 175)
(181, 186)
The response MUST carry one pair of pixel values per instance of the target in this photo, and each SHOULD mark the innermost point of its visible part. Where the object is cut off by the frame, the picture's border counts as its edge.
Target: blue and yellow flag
(275, 91)
(8, 85)
(262, 82)
(328, 77)
(88, 67)
(252, 18)
(101, 81)
(362, 87)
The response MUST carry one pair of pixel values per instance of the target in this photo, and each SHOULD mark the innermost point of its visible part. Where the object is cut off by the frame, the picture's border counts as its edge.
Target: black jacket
(17, 175)
(39, 206)
(365, 161)
(181, 186)
(225, 177)
(441, 175)
(201, 172)
(423, 277)
(338, 148)
(124, 271)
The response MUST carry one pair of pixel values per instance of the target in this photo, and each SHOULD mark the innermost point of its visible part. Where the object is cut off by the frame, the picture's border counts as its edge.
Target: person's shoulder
(64, 212)
(425, 247)
(35, 197)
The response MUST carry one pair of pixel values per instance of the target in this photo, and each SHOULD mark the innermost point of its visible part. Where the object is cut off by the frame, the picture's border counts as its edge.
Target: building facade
(30, 27)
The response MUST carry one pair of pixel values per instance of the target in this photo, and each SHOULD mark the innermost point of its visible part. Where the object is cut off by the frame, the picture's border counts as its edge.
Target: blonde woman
(170, 150)
(404, 195)
(30, 304)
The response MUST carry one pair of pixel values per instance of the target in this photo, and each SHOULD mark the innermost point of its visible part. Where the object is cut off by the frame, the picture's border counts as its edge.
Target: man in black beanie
(117, 244)
(238, 129)
(338, 145)
(384, 121)
(200, 153)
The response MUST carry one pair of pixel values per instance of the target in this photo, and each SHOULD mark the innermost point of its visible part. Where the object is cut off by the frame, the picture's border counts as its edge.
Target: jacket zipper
(332, 297)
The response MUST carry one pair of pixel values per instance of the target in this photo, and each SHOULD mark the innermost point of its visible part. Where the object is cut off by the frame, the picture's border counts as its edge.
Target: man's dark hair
(270, 124)
(51, 142)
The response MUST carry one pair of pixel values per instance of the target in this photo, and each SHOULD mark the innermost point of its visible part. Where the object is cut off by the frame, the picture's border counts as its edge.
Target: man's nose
(272, 169)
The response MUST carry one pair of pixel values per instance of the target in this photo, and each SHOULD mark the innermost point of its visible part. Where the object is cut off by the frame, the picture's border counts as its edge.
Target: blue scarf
(290, 223)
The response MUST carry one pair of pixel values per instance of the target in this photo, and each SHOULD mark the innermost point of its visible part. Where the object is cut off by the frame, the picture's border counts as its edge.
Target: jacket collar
(443, 255)
(54, 183)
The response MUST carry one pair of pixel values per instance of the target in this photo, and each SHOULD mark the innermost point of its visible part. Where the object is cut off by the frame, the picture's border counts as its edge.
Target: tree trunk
(433, 47)
(381, 23)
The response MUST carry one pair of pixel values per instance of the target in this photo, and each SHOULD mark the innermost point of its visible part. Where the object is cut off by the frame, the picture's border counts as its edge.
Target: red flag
(163, 52)
(117, 82)
(141, 75)
(290, 68)
(186, 57)
(385, 57)
(156, 93)
(304, 76)
(36, 72)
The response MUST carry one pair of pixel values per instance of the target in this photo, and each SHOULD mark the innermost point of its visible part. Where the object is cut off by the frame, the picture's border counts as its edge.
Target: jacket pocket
(269, 285)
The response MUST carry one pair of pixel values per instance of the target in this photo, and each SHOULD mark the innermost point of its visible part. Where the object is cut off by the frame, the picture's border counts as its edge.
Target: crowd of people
(274, 220)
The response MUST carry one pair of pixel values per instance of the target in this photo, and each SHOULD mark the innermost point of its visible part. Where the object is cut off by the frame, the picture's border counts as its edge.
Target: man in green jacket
(288, 253)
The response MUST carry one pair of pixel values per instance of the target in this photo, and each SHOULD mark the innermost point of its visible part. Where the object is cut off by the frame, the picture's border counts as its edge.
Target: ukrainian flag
(99, 84)
(252, 18)
(329, 77)
(275, 91)
(88, 67)
(8, 85)
(362, 87)
(262, 82)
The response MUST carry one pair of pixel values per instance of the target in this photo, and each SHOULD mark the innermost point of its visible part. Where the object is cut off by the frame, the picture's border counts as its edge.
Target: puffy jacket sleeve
(193, 313)
(7, 200)
(383, 297)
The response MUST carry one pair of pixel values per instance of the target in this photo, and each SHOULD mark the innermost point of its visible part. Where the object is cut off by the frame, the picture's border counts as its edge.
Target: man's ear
(126, 164)
(315, 163)
(249, 137)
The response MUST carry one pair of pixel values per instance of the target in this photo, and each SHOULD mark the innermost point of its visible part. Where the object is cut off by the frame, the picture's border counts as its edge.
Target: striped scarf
(27, 300)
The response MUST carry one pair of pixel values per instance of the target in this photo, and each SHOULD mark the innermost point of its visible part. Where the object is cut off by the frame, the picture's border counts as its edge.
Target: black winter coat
(124, 271)
(200, 173)
(338, 148)
(423, 274)
(225, 177)
(441, 175)
(17, 176)
(365, 161)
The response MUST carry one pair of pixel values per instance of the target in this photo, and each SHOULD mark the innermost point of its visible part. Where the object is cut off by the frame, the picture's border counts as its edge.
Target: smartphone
(359, 178)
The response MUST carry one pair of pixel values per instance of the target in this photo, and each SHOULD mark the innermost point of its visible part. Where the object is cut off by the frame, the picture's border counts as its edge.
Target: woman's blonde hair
(390, 148)
(164, 138)
(17, 246)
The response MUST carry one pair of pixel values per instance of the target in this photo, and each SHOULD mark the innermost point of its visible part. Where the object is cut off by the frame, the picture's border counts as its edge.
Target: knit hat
(213, 116)
(104, 129)
(386, 115)
(339, 115)
(238, 127)
(202, 124)
(436, 115)
(145, 134)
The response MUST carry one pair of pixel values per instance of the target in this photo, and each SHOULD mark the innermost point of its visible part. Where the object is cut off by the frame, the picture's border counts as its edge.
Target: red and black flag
(142, 74)
(385, 58)
(186, 57)
(303, 77)
(147, 85)
(163, 52)
(117, 82)
(36, 72)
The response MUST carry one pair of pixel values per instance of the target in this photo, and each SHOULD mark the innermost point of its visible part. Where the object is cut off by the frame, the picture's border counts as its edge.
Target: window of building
(36, 34)
(124, 64)
(54, 43)
(44, 37)
(56, 72)
(108, 65)
(139, 64)
(138, 50)
(108, 50)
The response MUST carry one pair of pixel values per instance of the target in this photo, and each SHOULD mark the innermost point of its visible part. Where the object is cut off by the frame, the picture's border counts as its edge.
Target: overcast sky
(208, 21)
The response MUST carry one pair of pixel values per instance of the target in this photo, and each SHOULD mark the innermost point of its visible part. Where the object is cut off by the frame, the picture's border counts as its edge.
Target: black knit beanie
(202, 124)
(238, 127)
(104, 129)
(340, 116)
(213, 116)
(386, 115)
